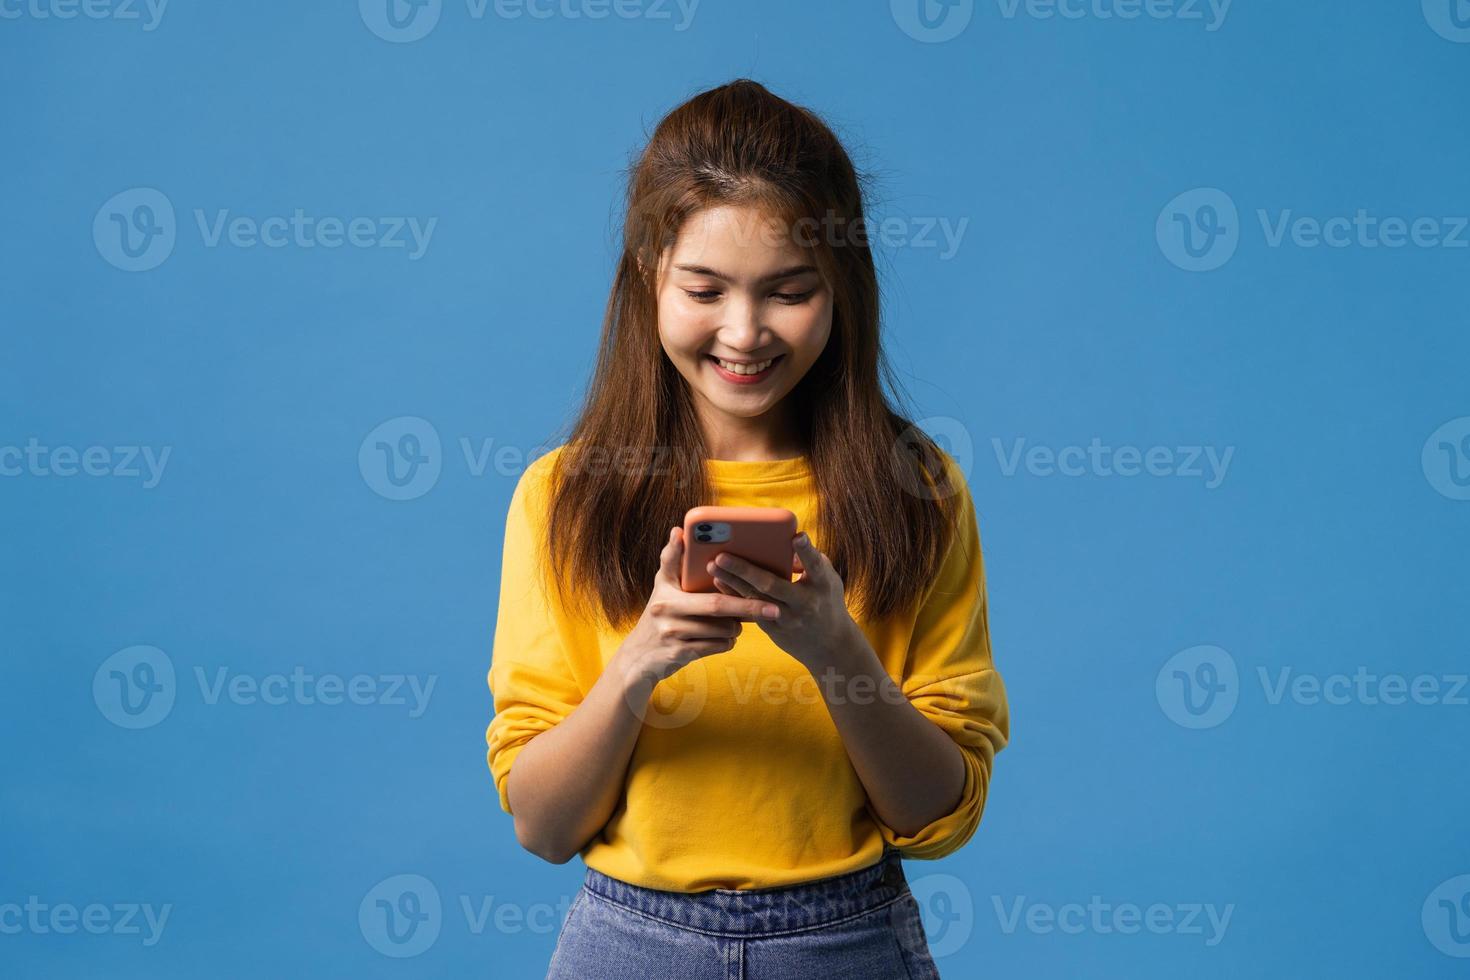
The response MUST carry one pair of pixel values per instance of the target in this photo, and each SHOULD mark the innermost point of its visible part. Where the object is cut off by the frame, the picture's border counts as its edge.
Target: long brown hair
(634, 461)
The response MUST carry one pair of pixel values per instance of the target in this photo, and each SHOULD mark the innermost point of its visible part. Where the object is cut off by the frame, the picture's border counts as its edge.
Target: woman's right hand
(566, 782)
(679, 627)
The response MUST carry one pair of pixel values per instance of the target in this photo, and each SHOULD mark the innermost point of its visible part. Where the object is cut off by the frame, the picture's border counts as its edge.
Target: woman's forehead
(738, 243)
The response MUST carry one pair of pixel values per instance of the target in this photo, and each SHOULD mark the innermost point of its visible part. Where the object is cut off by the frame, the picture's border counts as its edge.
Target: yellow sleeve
(950, 678)
(530, 677)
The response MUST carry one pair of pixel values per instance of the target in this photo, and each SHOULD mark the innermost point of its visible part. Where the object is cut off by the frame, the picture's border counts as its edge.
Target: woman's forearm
(912, 770)
(566, 781)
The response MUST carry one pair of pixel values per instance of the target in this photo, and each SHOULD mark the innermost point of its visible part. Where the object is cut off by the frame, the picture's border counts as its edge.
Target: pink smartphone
(761, 535)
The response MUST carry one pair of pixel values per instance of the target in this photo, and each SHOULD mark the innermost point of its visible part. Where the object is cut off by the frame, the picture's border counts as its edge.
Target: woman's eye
(793, 298)
(703, 296)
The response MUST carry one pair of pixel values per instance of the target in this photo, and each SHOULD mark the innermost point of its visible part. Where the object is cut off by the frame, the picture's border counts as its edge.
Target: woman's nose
(741, 329)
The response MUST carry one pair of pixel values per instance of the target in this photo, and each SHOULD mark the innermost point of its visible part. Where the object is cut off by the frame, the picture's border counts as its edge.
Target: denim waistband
(762, 911)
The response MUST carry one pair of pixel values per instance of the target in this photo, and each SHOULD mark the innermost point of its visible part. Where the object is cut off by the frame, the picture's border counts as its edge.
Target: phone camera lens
(703, 527)
(701, 537)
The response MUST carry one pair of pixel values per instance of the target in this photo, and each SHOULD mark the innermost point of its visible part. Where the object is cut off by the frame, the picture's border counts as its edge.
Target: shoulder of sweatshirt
(535, 478)
(959, 481)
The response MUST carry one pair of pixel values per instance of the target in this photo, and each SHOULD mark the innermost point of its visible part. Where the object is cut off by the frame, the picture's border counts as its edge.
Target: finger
(771, 586)
(719, 584)
(731, 585)
(815, 563)
(727, 606)
(719, 626)
(671, 555)
(704, 648)
(705, 627)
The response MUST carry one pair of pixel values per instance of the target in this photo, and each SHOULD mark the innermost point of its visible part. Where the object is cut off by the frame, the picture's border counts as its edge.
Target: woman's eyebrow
(795, 270)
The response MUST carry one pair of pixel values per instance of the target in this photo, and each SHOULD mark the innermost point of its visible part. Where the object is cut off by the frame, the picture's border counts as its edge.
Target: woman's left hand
(813, 624)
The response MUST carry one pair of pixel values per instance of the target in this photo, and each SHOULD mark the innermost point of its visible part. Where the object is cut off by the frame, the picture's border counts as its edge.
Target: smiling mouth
(746, 372)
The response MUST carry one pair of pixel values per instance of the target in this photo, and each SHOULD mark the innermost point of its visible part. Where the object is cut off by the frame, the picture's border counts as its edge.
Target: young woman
(742, 770)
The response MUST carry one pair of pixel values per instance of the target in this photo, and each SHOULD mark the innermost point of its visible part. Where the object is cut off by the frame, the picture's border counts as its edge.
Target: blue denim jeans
(863, 925)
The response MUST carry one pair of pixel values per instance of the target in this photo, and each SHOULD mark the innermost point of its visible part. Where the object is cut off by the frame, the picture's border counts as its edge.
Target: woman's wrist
(846, 652)
(625, 680)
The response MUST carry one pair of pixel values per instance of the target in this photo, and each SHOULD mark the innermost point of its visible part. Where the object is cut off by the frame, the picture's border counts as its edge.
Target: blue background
(1061, 318)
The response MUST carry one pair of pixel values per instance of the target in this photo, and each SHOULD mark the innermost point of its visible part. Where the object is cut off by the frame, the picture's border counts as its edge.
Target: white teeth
(746, 368)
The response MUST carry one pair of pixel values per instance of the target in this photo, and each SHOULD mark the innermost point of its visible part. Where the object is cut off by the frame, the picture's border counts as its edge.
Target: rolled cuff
(971, 710)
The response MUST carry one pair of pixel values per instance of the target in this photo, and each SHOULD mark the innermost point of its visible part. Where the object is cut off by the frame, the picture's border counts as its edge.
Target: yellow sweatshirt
(739, 778)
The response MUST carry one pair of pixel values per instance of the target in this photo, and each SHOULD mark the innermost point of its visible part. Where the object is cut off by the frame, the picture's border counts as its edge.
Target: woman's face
(737, 293)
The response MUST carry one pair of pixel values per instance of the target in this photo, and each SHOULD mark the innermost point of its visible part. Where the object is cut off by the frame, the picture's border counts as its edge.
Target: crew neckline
(746, 471)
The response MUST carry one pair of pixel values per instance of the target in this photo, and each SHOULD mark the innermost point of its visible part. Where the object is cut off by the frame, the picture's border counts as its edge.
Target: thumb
(671, 556)
(808, 559)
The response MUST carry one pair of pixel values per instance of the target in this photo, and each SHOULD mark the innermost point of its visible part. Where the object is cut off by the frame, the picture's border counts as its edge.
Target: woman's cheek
(683, 331)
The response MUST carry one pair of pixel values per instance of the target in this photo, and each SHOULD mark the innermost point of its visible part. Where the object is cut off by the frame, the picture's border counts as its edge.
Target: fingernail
(769, 611)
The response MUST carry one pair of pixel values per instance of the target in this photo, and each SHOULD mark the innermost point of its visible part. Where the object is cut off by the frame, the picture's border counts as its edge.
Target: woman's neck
(752, 440)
